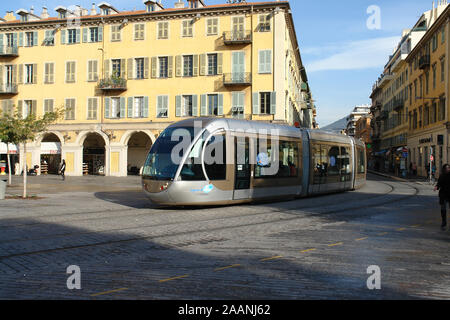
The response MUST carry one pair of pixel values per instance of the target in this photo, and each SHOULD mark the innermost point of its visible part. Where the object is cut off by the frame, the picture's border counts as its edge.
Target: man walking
(443, 186)
(62, 169)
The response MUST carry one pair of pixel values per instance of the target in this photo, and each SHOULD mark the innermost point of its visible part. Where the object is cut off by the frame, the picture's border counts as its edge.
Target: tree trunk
(25, 171)
(9, 165)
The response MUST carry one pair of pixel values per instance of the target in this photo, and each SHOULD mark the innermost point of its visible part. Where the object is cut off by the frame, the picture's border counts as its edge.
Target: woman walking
(443, 186)
(62, 169)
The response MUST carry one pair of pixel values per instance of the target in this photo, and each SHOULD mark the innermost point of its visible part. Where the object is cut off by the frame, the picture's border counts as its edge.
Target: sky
(344, 44)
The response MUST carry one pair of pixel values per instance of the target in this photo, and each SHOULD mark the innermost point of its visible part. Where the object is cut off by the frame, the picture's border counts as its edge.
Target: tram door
(242, 169)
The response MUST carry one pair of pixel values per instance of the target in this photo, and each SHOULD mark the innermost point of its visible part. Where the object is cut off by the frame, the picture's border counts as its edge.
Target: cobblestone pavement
(127, 248)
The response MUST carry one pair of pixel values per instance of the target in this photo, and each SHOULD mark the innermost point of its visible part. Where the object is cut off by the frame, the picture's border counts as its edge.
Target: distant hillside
(337, 125)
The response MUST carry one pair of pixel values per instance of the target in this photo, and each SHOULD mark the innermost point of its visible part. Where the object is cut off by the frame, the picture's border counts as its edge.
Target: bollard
(2, 189)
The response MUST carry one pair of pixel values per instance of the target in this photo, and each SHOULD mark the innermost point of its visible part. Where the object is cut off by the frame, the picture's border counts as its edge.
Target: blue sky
(343, 57)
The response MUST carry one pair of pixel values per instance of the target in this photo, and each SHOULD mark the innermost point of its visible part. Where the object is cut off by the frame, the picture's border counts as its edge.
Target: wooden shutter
(195, 105)
(20, 108)
(145, 110)
(100, 33)
(35, 38)
(14, 79)
(20, 39)
(203, 105)
(85, 35)
(154, 67)
(123, 68)
(1, 75)
(220, 105)
(146, 67)
(123, 107)
(130, 68)
(178, 106)
(256, 108)
(273, 102)
(106, 71)
(35, 73)
(107, 107)
(46, 73)
(219, 63)
(203, 64)
(158, 105)
(20, 74)
(170, 66)
(130, 107)
(195, 65)
(178, 70)
(63, 36)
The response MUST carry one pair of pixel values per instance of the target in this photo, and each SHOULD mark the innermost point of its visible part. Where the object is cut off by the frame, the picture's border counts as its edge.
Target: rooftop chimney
(10, 16)
(93, 10)
(44, 14)
(179, 4)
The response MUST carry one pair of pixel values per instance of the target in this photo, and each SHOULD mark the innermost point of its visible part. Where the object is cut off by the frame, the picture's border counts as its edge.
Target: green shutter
(195, 65)
(63, 36)
(122, 107)
(130, 68)
(106, 71)
(219, 63)
(178, 72)
(35, 73)
(154, 67)
(20, 39)
(178, 106)
(261, 62)
(20, 108)
(146, 67)
(255, 102)
(123, 68)
(35, 38)
(100, 33)
(220, 105)
(170, 67)
(130, 107)
(107, 107)
(1, 40)
(1, 75)
(85, 34)
(203, 64)
(203, 106)
(78, 36)
(195, 105)
(145, 111)
(158, 106)
(234, 99)
(273, 102)
(20, 74)
(269, 61)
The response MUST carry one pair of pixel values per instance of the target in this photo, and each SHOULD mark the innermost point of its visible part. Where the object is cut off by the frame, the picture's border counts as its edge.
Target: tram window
(215, 158)
(320, 163)
(192, 169)
(361, 161)
(333, 156)
(345, 164)
(287, 158)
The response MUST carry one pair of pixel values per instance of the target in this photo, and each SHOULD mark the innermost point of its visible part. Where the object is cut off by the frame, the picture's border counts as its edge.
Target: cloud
(354, 55)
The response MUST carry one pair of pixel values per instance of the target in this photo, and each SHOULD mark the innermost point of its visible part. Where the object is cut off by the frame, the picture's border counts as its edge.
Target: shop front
(14, 157)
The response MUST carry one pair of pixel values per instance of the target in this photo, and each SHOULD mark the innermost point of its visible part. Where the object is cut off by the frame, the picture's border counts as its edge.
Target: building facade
(123, 77)
(352, 119)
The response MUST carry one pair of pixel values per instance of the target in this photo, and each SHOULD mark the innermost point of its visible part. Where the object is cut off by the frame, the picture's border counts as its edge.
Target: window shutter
(100, 33)
(63, 36)
(123, 68)
(130, 107)
(20, 74)
(146, 67)
(202, 64)
(166, 105)
(35, 38)
(107, 107)
(220, 105)
(273, 102)
(178, 72)
(14, 74)
(33, 107)
(203, 106)
(46, 72)
(20, 39)
(195, 65)
(178, 106)
(256, 103)
(158, 105)
(122, 107)
(106, 71)
(20, 108)
(269, 61)
(85, 34)
(15, 39)
(145, 111)
(1, 75)
(77, 36)
(170, 66)
(219, 63)
(35, 73)
(262, 61)
(154, 67)
(195, 105)
(234, 99)
(52, 73)
(130, 68)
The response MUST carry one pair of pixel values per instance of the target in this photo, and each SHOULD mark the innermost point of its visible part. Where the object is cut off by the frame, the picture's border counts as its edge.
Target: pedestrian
(443, 186)
(414, 168)
(62, 169)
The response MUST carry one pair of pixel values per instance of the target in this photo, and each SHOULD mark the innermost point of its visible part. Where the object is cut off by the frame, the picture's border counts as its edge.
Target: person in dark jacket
(62, 169)
(443, 186)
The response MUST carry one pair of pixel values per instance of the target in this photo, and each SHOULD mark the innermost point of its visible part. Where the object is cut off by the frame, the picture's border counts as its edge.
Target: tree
(8, 136)
(17, 129)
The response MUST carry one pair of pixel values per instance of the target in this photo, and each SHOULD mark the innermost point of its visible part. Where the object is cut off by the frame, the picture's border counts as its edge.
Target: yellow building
(429, 112)
(123, 77)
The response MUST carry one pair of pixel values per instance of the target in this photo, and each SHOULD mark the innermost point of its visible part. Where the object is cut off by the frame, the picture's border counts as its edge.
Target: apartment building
(123, 77)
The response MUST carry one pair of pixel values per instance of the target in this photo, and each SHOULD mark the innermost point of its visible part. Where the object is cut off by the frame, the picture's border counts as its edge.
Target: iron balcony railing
(112, 84)
(237, 37)
(424, 62)
(8, 88)
(241, 78)
(9, 51)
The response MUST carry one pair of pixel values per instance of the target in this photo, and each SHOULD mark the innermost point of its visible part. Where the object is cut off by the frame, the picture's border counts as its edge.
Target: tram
(210, 161)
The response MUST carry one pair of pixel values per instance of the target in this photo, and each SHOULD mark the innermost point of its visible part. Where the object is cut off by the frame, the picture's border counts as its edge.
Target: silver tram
(209, 161)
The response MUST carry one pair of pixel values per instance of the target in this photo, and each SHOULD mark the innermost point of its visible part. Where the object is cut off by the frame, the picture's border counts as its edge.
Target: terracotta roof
(138, 12)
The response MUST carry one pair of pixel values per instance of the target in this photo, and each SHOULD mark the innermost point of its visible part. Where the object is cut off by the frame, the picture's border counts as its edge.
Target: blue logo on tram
(208, 188)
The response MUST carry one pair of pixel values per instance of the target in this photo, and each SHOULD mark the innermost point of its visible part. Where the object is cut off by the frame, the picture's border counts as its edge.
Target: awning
(380, 153)
(50, 148)
(13, 149)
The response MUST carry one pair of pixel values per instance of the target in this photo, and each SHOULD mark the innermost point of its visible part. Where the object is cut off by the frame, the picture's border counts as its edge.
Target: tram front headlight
(164, 186)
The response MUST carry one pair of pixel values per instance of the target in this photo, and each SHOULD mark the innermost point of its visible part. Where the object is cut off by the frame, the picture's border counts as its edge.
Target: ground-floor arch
(94, 154)
(50, 159)
(138, 146)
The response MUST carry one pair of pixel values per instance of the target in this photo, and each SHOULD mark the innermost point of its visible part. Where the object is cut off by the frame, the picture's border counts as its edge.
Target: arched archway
(94, 154)
(50, 147)
(139, 144)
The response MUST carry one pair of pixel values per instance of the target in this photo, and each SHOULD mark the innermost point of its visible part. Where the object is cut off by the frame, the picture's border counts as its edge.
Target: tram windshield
(166, 153)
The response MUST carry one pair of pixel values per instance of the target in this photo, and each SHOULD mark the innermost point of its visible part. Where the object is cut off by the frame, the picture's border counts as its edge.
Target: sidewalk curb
(393, 177)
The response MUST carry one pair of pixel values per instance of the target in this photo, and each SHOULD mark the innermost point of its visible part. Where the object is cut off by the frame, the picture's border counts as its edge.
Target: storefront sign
(426, 140)
(50, 148)
(12, 148)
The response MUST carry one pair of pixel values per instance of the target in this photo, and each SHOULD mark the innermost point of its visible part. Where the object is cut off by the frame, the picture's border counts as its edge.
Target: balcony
(237, 79)
(113, 84)
(384, 79)
(8, 88)
(237, 37)
(384, 115)
(7, 51)
(424, 62)
(398, 105)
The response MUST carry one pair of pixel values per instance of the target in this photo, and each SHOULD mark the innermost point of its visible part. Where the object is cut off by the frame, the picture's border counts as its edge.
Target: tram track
(304, 214)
